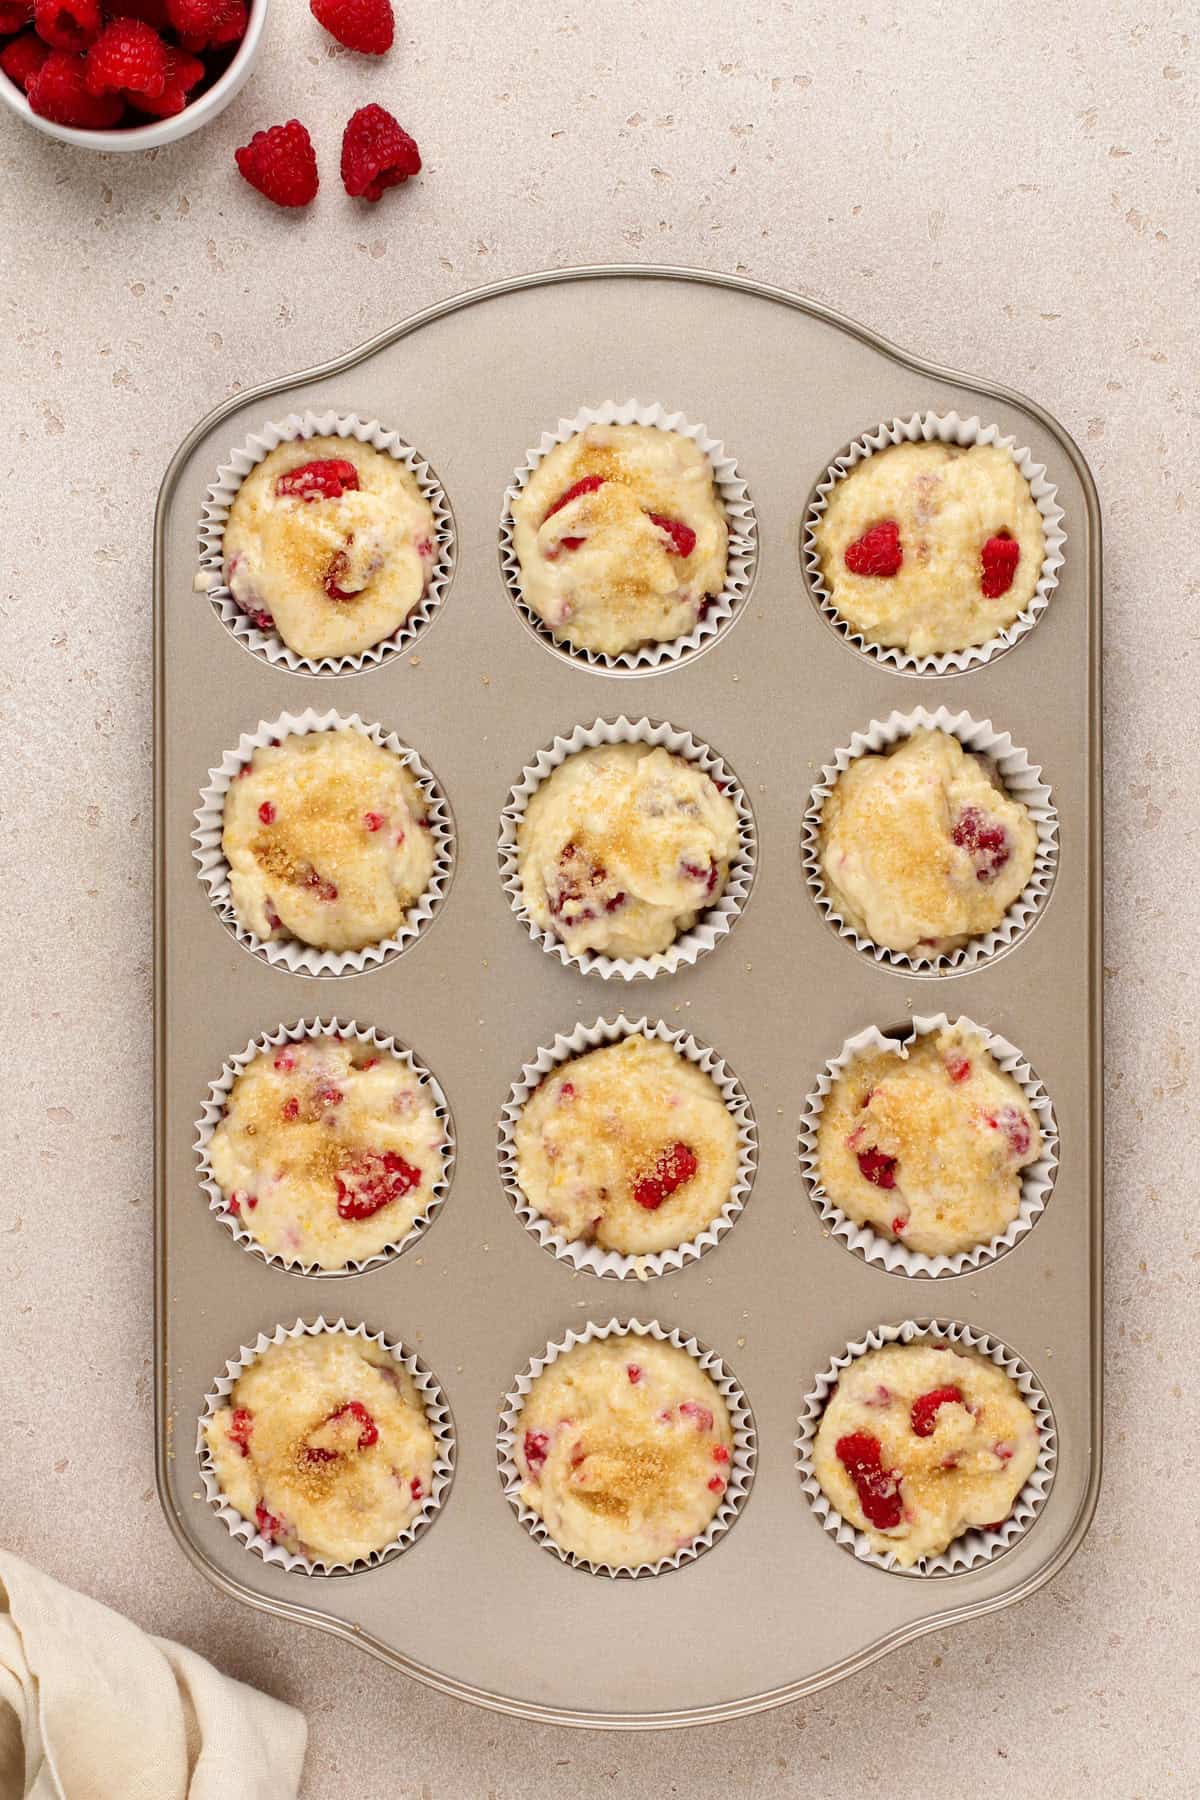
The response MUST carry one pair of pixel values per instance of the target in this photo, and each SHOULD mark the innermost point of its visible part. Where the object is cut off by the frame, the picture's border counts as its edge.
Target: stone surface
(1013, 194)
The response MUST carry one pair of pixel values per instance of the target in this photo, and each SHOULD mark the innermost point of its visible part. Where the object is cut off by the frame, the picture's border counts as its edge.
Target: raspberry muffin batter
(921, 846)
(324, 1443)
(931, 547)
(631, 1147)
(328, 1150)
(921, 1442)
(624, 1448)
(925, 1143)
(622, 848)
(326, 840)
(621, 537)
(330, 543)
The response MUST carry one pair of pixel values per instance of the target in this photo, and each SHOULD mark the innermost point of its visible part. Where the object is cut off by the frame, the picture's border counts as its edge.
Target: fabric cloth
(91, 1708)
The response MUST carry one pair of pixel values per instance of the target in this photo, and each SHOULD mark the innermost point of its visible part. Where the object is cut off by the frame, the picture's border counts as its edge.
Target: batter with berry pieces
(623, 847)
(926, 1142)
(330, 543)
(327, 841)
(921, 846)
(931, 547)
(630, 1147)
(328, 1150)
(621, 537)
(921, 1442)
(324, 1444)
(624, 1449)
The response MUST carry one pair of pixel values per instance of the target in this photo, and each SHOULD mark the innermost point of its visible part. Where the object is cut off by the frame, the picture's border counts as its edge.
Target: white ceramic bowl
(155, 131)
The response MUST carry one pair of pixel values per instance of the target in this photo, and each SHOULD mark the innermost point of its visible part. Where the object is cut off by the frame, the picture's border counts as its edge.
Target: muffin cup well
(944, 428)
(214, 516)
(1021, 779)
(741, 561)
(214, 1111)
(713, 924)
(741, 1466)
(291, 953)
(974, 1547)
(1037, 1181)
(436, 1411)
(575, 1251)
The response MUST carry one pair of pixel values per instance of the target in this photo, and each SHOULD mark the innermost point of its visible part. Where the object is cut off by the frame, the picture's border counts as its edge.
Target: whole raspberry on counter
(281, 163)
(67, 24)
(127, 57)
(365, 25)
(22, 58)
(376, 154)
(59, 92)
(182, 74)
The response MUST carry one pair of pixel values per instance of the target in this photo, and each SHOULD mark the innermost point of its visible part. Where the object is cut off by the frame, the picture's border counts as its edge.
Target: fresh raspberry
(683, 538)
(537, 1447)
(266, 812)
(876, 552)
(201, 22)
(1015, 1126)
(228, 28)
(330, 1096)
(716, 1484)
(878, 1489)
(985, 841)
(692, 1409)
(574, 886)
(267, 1523)
(183, 73)
(326, 890)
(588, 485)
(22, 58)
(415, 1488)
(326, 479)
(958, 1068)
(709, 876)
(877, 1168)
(128, 57)
(67, 24)
(720, 1454)
(925, 1406)
(354, 1409)
(1003, 1450)
(376, 154)
(240, 1427)
(290, 1110)
(673, 1168)
(365, 25)
(15, 15)
(281, 163)
(374, 1181)
(634, 1372)
(374, 821)
(238, 1200)
(998, 562)
(899, 1226)
(58, 91)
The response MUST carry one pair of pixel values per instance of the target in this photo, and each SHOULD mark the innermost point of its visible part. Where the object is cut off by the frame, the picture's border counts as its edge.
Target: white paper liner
(974, 1547)
(214, 1111)
(741, 1465)
(945, 428)
(575, 1251)
(290, 953)
(1022, 780)
(215, 513)
(742, 554)
(1037, 1180)
(436, 1411)
(712, 925)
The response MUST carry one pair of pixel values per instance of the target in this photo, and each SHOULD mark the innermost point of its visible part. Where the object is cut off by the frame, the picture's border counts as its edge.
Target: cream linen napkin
(93, 1709)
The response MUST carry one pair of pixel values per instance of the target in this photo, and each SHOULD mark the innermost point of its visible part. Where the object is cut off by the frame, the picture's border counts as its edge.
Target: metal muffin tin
(476, 1608)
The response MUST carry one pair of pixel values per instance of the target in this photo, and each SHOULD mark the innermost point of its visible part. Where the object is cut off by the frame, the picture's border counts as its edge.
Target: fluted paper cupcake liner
(712, 925)
(575, 1251)
(974, 1547)
(1037, 1181)
(1023, 782)
(437, 1412)
(290, 953)
(741, 562)
(214, 1111)
(945, 428)
(214, 516)
(742, 1460)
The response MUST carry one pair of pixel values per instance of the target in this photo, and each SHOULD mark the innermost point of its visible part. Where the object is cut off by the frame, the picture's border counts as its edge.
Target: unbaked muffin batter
(621, 537)
(328, 1150)
(624, 1448)
(330, 542)
(922, 848)
(931, 547)
(622, 848)
(926, 1142)
(324, 1443)
(919, 1443)
(326, 840)
(630, 1146)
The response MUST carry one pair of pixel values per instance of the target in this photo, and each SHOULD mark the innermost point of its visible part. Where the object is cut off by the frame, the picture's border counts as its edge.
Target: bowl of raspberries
(125, 74)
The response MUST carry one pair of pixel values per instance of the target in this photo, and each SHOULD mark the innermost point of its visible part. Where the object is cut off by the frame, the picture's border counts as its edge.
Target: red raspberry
(376, 154)
(998, 559)
(281, 163)
(59, 91)
(266, 812)
(537, 1446)
(229, 28)
(183, 73)
(365, 25)
(374, 821)
(878, 1489)
(683, 538)
(240, 1427)
(290, 1109)
(374, 1181)
(128, 56)
(958, 1068)
(877, 1168)
(673, 1168)
(286, 1060)
(716, 1484)
(720, 1453)
(326, 479)
(692, 1409)
(200, 22)
(925, 1406)
(876, 552)
(709, 876)
(151, 12)
(899, 1226)
(267, 1523)
(22, 58)
(588, 485)
(1016, 1129)
(415, 1488)
(354, 1409)
(15, 15)
(989, 842)
(67, 24)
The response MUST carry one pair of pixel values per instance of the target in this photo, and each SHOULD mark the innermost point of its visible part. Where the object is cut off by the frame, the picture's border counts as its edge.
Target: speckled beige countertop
(1011, 190)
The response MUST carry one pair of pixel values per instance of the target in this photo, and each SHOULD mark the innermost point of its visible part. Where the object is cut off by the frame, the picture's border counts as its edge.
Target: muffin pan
(776, 1609)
